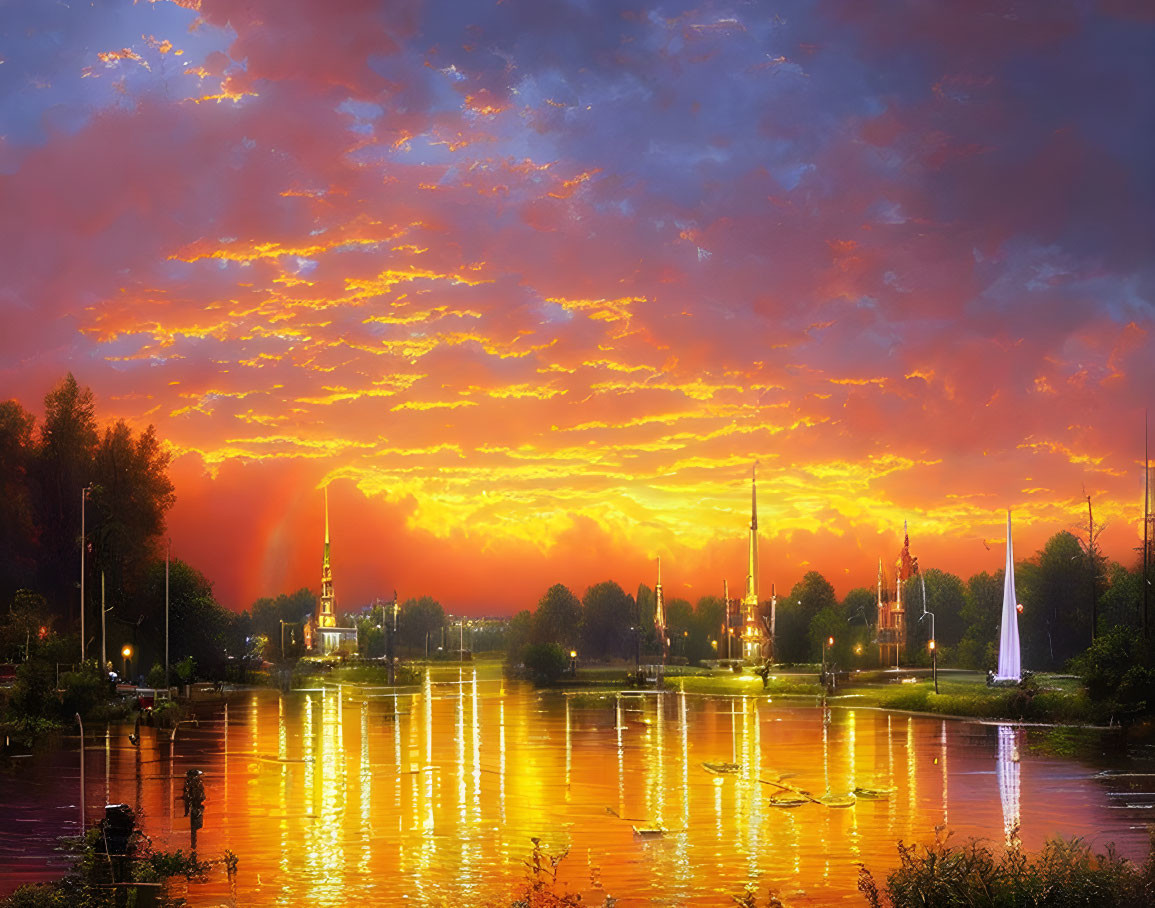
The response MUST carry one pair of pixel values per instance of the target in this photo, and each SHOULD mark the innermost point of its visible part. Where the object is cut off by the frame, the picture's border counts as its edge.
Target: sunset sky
(532, 283)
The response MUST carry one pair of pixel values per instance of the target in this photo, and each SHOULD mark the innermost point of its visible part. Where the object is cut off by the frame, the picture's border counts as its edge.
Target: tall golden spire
(326, 617)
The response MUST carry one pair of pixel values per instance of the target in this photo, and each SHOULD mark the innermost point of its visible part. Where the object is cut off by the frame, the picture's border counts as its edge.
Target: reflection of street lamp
(127, 653)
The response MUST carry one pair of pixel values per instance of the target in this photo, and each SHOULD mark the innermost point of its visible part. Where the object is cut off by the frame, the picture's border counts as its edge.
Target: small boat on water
(873, 794)
(789, 799)
(722, 768)
(650, 831)
(835, 800)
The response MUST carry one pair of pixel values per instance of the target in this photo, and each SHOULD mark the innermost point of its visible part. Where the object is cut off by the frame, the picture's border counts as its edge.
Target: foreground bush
(1065, 873)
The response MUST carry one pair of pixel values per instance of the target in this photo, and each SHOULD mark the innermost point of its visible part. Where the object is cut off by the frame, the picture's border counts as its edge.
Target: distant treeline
(1058, 587)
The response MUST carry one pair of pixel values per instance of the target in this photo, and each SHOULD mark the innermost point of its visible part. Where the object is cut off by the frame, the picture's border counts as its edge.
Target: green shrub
(545, 662)
(1065, 873)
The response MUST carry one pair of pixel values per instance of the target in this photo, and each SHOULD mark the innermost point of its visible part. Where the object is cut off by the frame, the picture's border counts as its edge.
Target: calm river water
(433, 795)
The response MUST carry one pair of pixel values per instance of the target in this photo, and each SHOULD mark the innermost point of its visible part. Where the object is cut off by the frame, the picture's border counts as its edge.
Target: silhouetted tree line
(43, 470)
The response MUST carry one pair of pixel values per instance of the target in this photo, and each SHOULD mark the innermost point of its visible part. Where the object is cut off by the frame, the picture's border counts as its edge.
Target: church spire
(752, 570)
(326, 616)
(660, 612)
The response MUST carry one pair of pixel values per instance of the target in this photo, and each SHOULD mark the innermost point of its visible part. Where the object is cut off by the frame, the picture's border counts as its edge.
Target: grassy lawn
(1050, 699)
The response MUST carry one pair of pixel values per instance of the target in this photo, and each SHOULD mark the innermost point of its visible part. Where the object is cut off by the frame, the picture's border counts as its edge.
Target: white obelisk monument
(1010, 667)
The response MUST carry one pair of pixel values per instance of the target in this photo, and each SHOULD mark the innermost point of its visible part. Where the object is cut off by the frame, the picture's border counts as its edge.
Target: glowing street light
(127, 654)
(825, 647)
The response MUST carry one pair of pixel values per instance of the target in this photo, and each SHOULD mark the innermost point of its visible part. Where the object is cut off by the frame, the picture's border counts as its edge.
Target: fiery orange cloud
(532, 295)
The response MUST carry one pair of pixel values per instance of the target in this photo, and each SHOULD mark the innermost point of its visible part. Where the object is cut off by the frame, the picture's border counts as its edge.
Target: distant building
(891, 637)
(326, 636)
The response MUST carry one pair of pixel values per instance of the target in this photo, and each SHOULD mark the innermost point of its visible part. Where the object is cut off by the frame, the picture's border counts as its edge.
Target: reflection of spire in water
(501, 752)
(682, 866)
(1008, 773)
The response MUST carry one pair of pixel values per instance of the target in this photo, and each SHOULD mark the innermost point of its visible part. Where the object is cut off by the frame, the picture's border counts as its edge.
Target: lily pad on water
(874, 794)
(788, 799)
(720, 768)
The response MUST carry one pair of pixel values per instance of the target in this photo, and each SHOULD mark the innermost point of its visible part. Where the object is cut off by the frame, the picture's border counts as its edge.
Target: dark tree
(292, 609)
(608, 621)
(18, 535)
(558, 618)
(198, 625)
(945, 599)
(1054, 588)
(131, 495)
(63, 467)
(981, 613)
(810, 595)
(517, 635)
(419, 622)
(861, 606)
(705, 633)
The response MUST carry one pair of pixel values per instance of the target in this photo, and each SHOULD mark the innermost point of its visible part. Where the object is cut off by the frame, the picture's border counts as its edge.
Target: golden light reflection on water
(336, 795)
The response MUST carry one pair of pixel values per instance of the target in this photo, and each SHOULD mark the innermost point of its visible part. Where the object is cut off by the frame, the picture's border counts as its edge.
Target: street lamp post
(127, 653)
(933, 648)
(829, 642)
(83, 545)
(103, 629)
(167, 559)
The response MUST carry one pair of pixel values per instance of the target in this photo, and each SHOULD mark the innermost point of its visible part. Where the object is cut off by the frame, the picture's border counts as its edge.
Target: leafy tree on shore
(810, 595)
(419, 622)
(1054, 588)
(981, 613)
(608, 619)
(558, 618)
(293, 608)
(42, 475)
(199, 626)
(17, 523)
(517, 636)
(709, 614)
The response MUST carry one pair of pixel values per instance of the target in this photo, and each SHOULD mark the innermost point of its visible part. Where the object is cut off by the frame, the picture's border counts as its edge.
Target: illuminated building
(757, 625)
(660, 616)
(891, 637)
(327, 637)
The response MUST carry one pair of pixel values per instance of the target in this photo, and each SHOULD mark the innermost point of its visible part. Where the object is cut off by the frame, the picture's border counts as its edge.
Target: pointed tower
(326, 617)
(754, 638)
(752, 570)
(660, 614)
(1010, 668)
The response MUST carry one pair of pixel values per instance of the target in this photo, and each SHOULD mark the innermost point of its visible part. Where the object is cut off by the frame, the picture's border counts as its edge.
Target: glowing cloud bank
(533, 284)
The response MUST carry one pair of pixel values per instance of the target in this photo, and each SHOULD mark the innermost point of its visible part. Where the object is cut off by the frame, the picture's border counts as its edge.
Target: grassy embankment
(1045, 698)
